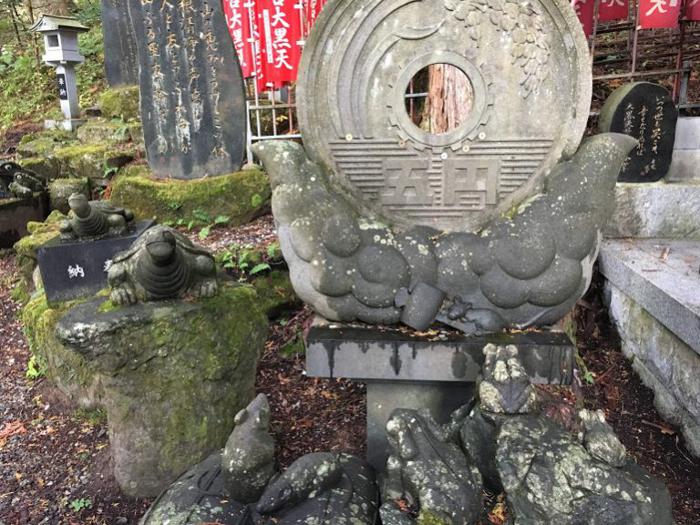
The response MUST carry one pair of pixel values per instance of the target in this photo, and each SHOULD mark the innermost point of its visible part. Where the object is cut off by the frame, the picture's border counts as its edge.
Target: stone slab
(121, 58)
(663, 277)
(16, 213)
(686, 151)
(368, 354)
(71, 270)
(192, 94)
(665, 363)
(658, 210)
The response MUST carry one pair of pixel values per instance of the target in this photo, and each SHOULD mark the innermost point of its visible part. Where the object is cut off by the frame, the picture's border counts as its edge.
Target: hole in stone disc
(439, 98)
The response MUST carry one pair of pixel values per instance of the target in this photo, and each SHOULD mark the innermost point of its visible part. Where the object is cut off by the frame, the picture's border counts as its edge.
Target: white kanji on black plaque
(62, 92)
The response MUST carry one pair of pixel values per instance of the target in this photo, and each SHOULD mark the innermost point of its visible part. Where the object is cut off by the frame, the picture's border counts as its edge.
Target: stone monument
(192, 95)
(491, 226)
(121, 58)
(646, 112)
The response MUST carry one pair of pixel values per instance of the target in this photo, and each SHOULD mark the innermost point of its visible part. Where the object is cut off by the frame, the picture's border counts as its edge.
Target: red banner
(584, 10)
(280, 23)
(238, 23)
(613, 10)
(692, 10)
(655, 14)
(311, 12)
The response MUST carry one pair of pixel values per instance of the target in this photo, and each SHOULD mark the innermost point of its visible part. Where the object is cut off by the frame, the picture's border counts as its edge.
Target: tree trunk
(450, 98)
(53, 7)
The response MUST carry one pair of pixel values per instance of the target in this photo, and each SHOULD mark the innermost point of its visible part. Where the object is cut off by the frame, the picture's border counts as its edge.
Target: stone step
(656, 210)
(686, 151)
(653, 290)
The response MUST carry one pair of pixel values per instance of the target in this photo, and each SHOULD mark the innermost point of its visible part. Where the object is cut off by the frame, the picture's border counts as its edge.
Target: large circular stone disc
(529, 67)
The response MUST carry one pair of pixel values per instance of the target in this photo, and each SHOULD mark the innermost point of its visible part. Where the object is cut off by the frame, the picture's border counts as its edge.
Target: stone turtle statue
(94, 220)
(18, 182)
(162, 264)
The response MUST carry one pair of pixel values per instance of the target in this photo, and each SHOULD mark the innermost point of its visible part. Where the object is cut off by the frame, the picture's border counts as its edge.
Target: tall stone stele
(192, 94)
(493, 225)
(121, 58)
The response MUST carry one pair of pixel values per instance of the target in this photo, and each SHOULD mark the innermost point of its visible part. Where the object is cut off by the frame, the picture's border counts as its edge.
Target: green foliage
(35, 368)
(244, 260)
(92, 416)
(80, 504)
(294, 347)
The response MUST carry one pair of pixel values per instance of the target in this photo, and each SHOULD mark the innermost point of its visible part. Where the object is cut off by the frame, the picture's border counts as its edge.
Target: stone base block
(65, 125)
(16, 213)
(685, 166)
(174, 375)
(407, 371)
(658, 210)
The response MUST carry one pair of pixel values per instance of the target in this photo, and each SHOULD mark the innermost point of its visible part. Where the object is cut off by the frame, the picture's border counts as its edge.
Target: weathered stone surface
(550, 478)
(162, 264)
(505, 387)
(525, 270)
(240, 196)
(121, 103)
(18, 182)
(174, 373)
(665, 363)
(43, 143)
(528, 66)
(121, 58)
(93, 160)
(248, 459)
(686, 151)
(324, 489)
(103, 130)
(61, 189)
(646, 112)
(658, 210)
(429, 469)
(369, 354)
(662, 276)
(26, 248)
(275, 293)
(192, 94)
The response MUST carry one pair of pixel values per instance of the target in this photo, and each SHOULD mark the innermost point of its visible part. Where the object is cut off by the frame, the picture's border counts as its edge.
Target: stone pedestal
(75, 269)
(174, 375)
(403, 370)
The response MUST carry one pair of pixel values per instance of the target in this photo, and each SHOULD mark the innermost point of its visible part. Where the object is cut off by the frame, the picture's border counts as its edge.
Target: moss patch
(39, 234)
(43, 143)
(275, 293)
(66, 369)
(94, 160)
(239, 196)
(428, 518)
(121, 102)
(102, 130)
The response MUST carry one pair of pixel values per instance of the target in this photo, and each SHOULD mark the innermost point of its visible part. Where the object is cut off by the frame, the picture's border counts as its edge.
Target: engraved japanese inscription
(192, 95)
(523, 69)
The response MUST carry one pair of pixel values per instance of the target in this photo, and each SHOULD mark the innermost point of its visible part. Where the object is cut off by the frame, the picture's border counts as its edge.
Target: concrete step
(653, 290)
(656, 210)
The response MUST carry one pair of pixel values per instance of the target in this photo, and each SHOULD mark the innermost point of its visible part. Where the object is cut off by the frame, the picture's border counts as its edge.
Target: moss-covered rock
(43, 143)
(428, 518)
(61, 189)
(275, 293)
(26, 248)
(121, 102)
(103, 130)
(94, 160)
(239, 196)
(174, 373)
(49, 166)
(68, 371)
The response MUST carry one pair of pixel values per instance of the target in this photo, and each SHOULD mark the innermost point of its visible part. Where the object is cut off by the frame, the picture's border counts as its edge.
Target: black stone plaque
(121, 58)
(61, 85)
(71, 270)
(646, 112)
(192, 94)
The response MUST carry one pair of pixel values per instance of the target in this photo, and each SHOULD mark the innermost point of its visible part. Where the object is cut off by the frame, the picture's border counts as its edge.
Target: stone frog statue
(18, 182)
(94, 220)
(162, 264)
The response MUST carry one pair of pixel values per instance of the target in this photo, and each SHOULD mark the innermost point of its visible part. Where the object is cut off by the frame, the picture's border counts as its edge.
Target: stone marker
(686, 151)
(192, 95)
(646, 112)
(73, 269)
(121, 58)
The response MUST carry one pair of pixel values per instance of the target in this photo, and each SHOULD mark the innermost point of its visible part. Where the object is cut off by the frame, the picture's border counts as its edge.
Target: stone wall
(665, 364)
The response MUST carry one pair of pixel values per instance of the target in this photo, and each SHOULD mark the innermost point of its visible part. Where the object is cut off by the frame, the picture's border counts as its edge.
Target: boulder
(121, 102)
(61, 189)
(174, 375)
(240, 196)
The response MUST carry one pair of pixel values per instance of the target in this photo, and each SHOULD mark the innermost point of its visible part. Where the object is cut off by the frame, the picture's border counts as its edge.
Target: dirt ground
(55, 462)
